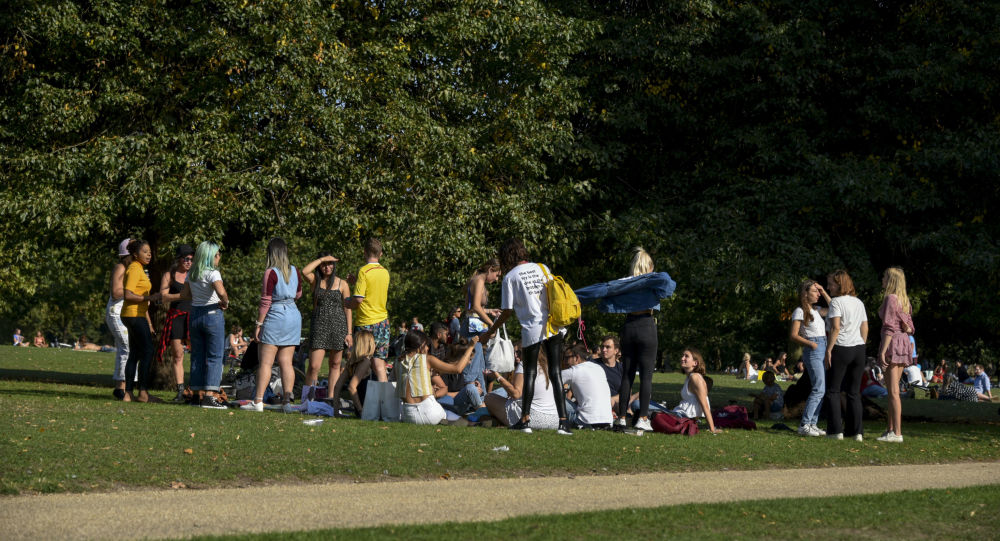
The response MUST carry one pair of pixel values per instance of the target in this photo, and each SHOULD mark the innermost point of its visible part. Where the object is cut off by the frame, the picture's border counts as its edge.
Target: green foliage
(746, 145)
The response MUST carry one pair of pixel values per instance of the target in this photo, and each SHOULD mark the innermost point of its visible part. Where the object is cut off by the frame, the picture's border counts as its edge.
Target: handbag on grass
(381, 402)
(500, 353)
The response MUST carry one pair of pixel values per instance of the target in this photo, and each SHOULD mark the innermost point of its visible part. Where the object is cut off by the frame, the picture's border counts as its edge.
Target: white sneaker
(619, 424)
(891, 437)
(643, 424)
(819, 430)
(253, 406)
(808, 430)
(859, 437)
(835, 436)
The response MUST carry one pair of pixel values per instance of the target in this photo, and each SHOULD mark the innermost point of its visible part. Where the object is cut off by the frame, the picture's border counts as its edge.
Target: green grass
(966, 513)
(60, 437)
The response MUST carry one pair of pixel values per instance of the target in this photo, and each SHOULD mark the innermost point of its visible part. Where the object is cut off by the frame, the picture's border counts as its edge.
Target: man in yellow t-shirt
(371, 292)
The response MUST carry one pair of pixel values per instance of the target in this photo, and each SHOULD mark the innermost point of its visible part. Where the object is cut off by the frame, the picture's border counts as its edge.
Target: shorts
(179, 327)
(380, 331)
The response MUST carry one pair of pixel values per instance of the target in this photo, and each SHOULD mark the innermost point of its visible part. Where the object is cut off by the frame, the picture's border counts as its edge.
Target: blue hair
(204, 259)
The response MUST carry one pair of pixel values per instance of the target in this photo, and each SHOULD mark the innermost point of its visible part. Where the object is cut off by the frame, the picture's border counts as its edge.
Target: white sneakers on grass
(890, 437)
(643, 424)
(811, 431)
(253, 406)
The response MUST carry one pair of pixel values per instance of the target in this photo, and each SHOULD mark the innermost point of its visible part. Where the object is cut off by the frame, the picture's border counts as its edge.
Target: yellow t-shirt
(373, 285)
(137, 282)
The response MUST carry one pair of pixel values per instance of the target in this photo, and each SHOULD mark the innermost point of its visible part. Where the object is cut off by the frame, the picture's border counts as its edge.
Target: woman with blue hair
(207, 325)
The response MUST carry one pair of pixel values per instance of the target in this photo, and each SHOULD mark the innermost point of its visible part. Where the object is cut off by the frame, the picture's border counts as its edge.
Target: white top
(590, 387)
(544, 401)
(851, 312)
(689, 406)
(815, 329)
(202, 291)
(523, 291)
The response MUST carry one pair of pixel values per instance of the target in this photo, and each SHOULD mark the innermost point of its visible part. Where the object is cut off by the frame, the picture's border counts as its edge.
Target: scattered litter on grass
(189, 451)
(313, 422)
(502, 449)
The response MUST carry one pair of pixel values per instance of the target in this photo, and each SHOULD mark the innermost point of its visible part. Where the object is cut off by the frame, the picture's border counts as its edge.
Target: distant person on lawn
(19, 339)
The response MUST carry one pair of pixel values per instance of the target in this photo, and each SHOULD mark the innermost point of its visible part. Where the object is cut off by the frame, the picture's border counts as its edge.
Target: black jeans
(140, 352)
(553, 350)
(847, 364)
(639, 344)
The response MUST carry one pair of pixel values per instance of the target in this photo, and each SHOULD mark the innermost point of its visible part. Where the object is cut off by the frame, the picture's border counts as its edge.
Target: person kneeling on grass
(694, 394)
(414, 379)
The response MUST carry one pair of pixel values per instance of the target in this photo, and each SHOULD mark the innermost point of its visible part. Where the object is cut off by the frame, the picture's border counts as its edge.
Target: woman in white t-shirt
(506, 407)
(845, 356)
(207, 324)
(809, 331)
(523, 293)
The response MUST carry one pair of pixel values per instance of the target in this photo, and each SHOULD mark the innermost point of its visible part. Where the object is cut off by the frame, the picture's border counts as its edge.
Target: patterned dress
(329, 321)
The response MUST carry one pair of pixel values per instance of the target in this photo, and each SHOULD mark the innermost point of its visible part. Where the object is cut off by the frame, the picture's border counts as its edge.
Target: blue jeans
(468, 399)
(472, 372)
(813, 360)
(208, 339)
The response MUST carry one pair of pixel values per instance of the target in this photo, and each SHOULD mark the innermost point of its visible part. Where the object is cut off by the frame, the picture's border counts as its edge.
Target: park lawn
(963, 513)
(61, 437)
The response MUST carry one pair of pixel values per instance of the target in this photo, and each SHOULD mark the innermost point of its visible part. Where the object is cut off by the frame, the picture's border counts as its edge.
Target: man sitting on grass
(981, 384)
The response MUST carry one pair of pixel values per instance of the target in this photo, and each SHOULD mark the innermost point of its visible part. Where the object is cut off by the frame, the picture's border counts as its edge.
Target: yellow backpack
(564, 307)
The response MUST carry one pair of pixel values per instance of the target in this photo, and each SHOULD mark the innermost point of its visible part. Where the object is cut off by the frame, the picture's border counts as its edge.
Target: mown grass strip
(966, 513)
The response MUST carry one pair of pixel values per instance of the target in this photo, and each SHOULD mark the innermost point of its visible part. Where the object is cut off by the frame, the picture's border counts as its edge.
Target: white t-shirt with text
(523, 291)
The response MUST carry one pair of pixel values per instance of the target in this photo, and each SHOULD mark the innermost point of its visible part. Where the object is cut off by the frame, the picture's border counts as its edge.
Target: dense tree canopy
(747, 145)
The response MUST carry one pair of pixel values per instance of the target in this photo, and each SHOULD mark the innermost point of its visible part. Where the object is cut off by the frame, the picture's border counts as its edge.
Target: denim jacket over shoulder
(626, 295)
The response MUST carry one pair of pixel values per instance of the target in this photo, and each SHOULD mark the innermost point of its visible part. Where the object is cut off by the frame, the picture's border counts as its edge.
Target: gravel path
(184, 513)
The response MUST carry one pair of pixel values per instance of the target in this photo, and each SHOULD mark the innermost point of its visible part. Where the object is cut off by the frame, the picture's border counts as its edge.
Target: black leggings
(639, 344)
(847, 364)
(140, 352)
(553, 349)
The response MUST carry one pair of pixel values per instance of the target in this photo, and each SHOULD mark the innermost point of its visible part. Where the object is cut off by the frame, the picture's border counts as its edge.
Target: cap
(123, 248)
(183, 250)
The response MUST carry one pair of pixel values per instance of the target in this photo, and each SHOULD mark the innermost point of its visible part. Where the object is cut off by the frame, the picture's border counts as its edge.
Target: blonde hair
(895, 284)
(363, 348)
(277, 257)
(641, 262)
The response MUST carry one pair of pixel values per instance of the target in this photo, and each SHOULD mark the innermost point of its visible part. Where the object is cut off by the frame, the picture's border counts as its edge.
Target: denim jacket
(626, 295)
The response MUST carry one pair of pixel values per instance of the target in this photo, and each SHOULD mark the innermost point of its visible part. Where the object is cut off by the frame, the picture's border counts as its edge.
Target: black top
(614, 375)
(176, 287)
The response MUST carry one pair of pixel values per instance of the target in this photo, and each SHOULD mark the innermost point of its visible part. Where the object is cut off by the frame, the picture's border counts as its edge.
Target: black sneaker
(521, 426)
(212, 402)
(564, 428)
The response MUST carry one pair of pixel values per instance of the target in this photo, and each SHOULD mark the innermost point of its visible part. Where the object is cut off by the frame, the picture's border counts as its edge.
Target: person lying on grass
(413, 384)
(694, 394)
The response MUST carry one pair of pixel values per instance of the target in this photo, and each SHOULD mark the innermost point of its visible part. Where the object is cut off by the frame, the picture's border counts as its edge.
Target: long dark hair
(511, 253)
(318, 275)
(414, 341)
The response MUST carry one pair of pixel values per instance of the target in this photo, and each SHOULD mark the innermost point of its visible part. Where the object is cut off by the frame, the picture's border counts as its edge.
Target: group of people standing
(195, 289)
(833, 340)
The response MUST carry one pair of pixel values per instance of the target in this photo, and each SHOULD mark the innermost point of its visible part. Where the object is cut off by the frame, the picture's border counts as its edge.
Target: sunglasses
(188, 258)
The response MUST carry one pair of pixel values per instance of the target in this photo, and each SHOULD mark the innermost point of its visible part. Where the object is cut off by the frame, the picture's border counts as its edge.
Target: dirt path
(184, 513)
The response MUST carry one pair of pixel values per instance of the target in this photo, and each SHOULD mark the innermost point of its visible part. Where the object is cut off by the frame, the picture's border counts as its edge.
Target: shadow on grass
(48, 376)
(48, 393)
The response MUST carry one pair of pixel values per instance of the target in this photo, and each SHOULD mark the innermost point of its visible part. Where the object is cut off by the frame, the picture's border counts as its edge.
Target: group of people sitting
(38, 341)
(752, 371)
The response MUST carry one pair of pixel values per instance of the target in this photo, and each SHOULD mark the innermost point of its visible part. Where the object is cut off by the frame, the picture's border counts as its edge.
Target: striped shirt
(414, 370)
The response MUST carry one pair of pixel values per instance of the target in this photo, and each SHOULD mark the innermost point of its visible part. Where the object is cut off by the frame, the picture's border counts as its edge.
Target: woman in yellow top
(414, 379)
(136, 319)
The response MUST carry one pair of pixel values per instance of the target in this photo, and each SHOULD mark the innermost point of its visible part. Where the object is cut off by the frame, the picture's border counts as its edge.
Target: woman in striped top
(414, 379)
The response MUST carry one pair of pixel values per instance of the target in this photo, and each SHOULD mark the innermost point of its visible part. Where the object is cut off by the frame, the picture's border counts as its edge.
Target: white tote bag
(500, 353)
(381, 402)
